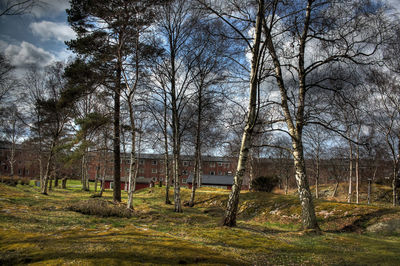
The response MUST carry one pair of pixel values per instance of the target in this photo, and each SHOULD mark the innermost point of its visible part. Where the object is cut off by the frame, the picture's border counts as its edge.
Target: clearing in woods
(42, 229)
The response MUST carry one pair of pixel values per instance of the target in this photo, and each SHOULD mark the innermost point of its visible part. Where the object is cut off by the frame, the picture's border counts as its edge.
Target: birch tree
(293, 34)
(175, 27)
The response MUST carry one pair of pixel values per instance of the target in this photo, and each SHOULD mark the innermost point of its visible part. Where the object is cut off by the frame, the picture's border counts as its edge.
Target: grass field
(39, 229)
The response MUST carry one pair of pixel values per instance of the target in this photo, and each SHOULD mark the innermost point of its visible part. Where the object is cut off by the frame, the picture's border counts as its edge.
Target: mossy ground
(38, 229)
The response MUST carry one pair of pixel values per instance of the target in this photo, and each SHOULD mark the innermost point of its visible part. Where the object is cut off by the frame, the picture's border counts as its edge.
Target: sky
(36, 38)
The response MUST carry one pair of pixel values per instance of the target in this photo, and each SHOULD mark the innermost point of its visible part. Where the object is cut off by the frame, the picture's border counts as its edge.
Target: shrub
(25, 181)
(9, 180)
(264, 183)
(101, 207)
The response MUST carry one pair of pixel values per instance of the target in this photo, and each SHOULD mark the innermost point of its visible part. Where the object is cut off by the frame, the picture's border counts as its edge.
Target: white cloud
(26, 54)
(48, 30)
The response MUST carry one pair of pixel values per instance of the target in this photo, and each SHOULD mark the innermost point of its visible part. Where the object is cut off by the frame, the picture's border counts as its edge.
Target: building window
(184, 180)
(161, 170)
(27, 172)
(219, 164)
(154, 171)
(184, 172)
(220, 173)
(141, 170)
(154, 162)
(141, 161)
(19, 171)
(212, 164)
(185, 163)
(161, 179)
(212, 173)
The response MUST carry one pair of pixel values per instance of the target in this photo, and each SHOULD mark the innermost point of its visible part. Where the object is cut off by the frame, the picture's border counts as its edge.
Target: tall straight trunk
(12, 159)
(251, 170)
(84, 173)
(396, 174)
(357, 174)
(96, 178)
(176, 141)
(197, 149)
(12, 156)
(233, 201)
(167, 176)
(166, 155)
(317, 176)
(287, 185)
(369, 191)
(116, 140)
(132, 164)
(350, 171)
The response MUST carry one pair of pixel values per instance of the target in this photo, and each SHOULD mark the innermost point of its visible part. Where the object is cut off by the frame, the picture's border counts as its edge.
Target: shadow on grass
(359, 225)
(132, 247)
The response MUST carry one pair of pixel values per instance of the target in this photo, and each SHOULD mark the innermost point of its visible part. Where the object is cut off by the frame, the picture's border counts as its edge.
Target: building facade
(151, 169)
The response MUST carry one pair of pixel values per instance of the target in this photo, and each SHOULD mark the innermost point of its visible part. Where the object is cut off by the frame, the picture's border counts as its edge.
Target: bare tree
(17, 7)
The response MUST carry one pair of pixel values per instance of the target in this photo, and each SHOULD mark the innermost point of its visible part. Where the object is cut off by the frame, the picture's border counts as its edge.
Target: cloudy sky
(38, 37)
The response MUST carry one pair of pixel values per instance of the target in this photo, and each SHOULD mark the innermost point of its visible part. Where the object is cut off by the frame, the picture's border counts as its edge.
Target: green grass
(38, 229)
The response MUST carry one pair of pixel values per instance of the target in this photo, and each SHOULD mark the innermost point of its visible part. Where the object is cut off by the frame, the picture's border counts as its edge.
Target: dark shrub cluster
(264, 183)
(9, 180)
(25, 181)
(13, 181)
(101, 208)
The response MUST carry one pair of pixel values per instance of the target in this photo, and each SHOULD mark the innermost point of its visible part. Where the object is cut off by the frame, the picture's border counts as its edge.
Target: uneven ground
(38, 229)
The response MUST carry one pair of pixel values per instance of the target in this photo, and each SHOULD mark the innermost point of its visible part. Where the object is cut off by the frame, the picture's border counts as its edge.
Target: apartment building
(151, 169)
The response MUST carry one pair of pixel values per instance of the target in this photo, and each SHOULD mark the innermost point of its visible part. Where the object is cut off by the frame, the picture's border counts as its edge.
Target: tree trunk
(197, 150)
(166, 159)
(335, 189)
(96, 178)
(233, 201)
(357, 173)
(64, 183)
(308, 217)
(251, 171)
(48, 165)
(116, 140)
(132, 164)
(287, 184)
(317, 176)
(350, 171)
(369, 191)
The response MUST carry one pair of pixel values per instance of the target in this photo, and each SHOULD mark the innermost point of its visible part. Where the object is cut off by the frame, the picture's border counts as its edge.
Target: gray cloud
(50, 8)
(27, 54)
(48, 30)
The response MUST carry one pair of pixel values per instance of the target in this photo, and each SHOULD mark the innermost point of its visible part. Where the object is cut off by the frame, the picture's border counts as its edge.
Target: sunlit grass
(35, 228)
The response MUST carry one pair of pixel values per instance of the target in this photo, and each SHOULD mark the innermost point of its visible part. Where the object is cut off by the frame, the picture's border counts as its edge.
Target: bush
(101, 208)
(264, 183)
(25, 181)
(9, 180)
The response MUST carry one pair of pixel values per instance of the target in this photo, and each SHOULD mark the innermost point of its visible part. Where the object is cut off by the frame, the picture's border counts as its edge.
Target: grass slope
(38, 229)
